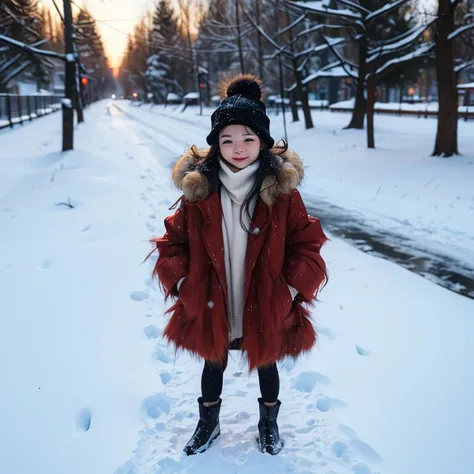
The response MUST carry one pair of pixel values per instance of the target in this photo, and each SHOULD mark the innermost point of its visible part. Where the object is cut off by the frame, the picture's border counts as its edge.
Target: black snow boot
(269, 437)
(207, 430)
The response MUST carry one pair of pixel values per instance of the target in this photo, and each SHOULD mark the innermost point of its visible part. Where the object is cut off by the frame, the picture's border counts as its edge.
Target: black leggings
(213, 376)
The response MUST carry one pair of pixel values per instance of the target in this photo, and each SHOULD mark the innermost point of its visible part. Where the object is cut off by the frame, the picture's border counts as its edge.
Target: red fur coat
(283, 249)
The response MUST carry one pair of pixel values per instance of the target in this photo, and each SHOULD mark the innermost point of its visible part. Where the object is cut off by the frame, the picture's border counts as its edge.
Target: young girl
(240, 256)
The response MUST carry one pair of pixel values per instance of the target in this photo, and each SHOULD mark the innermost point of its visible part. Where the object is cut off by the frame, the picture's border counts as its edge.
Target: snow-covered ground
(90, 387)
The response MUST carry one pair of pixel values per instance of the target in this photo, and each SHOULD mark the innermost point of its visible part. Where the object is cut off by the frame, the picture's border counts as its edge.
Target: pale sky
(114, 15)
(122, 15)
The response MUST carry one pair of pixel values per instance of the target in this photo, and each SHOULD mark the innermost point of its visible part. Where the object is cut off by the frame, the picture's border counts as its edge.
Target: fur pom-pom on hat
(247, 85)
(242, 106)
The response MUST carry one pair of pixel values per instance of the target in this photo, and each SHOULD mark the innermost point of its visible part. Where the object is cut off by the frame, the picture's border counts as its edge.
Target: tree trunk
(370, 110)
(69, 78)
(294, 106)
(303, 97)
(358, 114)
(446, 143)
(302, 92)
(306, 110)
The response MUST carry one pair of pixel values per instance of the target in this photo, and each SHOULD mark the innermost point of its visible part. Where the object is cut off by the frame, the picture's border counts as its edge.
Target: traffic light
(84, 81)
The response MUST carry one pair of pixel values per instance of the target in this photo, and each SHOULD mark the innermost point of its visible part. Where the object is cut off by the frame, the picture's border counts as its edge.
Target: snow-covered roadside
(74, 352)
(388, 389)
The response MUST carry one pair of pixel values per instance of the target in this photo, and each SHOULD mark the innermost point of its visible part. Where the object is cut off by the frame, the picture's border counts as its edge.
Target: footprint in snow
(46, 263)
(86, 228)
(341, 450)
(144, 198)
(361, 351)
(362, 468)
(324, 331)
(288, 364)
(165, 377)
(139, 295)
(83, 421)
(359, 446)
(150, 227)
(161, 355)
(310, 425)
(142, 176)
(324, 404)
(152, 332)
(149, 282)
(307, 381)
(155, 405)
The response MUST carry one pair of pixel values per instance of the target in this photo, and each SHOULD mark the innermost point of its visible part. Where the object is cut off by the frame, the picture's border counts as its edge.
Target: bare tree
(360, 25)
(448, 67)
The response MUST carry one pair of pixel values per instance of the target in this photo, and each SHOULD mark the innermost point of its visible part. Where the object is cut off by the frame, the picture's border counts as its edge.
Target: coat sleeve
(173, 249)
(303, 268)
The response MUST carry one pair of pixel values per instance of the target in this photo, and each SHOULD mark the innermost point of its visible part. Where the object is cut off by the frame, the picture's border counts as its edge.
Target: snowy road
(442, 269)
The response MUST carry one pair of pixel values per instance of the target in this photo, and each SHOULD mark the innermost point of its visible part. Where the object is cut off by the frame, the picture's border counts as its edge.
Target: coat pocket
(282, 303)
(187, 298)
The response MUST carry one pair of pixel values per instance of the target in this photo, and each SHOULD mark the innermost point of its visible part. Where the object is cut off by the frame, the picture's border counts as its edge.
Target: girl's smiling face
(239, 146)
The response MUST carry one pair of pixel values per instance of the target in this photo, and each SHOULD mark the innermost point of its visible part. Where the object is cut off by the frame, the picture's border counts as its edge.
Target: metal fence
(16, 109)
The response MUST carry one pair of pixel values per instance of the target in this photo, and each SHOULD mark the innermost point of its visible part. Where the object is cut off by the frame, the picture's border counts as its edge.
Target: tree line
(294, 42)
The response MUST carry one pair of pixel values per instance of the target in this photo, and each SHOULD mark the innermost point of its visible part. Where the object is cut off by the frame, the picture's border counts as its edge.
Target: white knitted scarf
(235, 187)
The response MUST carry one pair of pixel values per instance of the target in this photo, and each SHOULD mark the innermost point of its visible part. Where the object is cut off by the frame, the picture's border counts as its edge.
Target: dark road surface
(455, 275)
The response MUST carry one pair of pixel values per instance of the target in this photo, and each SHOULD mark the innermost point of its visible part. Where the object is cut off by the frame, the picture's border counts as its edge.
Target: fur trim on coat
(195, 186)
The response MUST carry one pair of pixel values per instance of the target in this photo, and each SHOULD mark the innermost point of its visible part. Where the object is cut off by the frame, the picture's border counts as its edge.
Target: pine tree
(137, 59)
(124, 72)
(158, 78)
(21, 20)
(163, 67)
(91, 50)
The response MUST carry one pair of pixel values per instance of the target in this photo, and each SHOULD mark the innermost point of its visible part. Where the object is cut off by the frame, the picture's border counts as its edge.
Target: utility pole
(78, 89)
(70, 73)
(239, 38)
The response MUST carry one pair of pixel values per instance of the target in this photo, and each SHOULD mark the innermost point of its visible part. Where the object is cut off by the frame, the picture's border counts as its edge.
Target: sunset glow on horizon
(116, 19)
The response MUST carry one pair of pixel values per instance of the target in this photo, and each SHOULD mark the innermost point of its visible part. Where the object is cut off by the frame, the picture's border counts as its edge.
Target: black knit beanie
(244, 107)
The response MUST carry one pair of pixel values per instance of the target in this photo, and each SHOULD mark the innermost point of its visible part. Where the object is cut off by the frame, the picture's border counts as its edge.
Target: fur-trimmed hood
(195, 186)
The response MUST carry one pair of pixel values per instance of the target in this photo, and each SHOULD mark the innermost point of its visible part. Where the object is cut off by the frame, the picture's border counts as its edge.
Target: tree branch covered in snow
(291, 25)
(463, 66)
(461, 30)
(344, 63)
(316, 7)
(391, 46)
(354, 6)
(418, 53)
(379, 52)
(385, 10)
(15, 72)
(31, 50)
